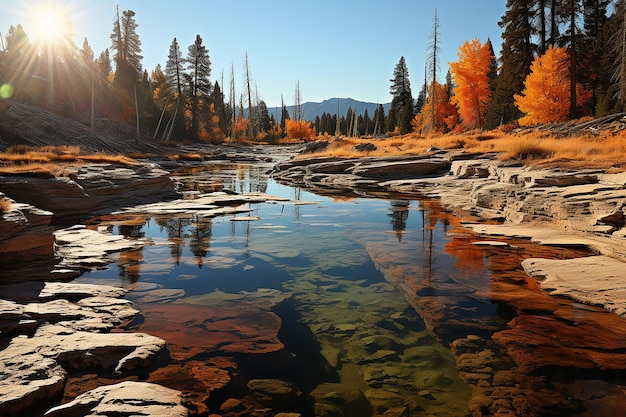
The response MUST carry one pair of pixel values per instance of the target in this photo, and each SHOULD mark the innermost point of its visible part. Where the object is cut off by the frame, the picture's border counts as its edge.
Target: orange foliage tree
(546, 94)
(446, 114)
(472, 94)
(299, 129)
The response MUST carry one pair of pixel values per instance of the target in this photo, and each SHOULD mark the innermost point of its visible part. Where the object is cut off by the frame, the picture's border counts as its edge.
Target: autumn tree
(545, 98)
(445, 116)
(299, 129)
(472, 93)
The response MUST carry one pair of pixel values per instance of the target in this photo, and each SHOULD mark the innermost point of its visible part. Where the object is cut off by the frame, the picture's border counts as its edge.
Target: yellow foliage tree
(299, 129)
(546, 94)
(472, 93)
(446, 114)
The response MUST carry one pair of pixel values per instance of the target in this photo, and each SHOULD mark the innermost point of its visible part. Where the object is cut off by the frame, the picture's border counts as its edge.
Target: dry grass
(539, 149)
(52, 160)
(5, 205)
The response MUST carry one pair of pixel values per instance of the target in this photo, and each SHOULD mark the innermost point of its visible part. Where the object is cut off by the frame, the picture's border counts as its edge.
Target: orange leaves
(446, 115)
(299, 129)
(472, 93)
(546, 95)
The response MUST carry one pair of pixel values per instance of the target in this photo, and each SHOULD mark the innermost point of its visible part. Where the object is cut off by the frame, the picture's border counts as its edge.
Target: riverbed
(385, 304)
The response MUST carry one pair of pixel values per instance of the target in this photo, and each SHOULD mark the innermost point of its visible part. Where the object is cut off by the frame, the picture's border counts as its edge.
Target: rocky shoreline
(51, 327)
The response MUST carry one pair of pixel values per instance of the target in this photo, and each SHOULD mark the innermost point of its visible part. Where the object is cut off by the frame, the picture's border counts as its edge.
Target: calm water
(345, 321)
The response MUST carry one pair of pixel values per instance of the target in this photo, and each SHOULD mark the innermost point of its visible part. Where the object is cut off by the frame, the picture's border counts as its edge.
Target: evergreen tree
(264, 117)
(199, 67)
(127, 56)
(127, 50)
(516, 58)
(402, 101)
(217, 99)
(379, 120)
(593, 46)
(611, 89)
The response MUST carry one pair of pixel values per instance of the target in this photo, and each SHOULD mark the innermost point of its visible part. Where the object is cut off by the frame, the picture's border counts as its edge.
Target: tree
(433, 59)
(472, 93)
(545, 98)
(127, 56)
(445, 116)
(516, 58)
(127, 50)
(299, 129)
(401, 112)
(199, 67)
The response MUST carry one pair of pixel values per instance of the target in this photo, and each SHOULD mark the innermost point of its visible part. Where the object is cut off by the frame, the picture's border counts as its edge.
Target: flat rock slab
(124, 399)
(597, 280)
(536, 233)
(81, 247)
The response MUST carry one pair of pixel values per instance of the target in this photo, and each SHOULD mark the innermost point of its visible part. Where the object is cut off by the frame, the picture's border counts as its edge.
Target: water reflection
(399, 215)
(351, 274)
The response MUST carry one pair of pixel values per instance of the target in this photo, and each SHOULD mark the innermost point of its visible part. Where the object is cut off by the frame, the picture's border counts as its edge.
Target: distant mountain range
(312, 109)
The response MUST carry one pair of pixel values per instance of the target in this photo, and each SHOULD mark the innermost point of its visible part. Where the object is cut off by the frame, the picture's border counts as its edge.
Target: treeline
(177, 102)
(581, 41)
(560, 60)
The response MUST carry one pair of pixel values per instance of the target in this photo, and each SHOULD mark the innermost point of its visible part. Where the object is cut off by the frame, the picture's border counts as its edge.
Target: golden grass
(539, 149)
(5, 204)
(52, 160)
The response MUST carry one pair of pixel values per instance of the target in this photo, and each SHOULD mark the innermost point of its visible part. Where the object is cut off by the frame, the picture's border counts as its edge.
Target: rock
(393, 169)
(26, 244)
(125, 398)
(28, 381)
(276, 393)
(365, 147)
(594, 280)
(97, 188)
(83, 248)
(340, 400)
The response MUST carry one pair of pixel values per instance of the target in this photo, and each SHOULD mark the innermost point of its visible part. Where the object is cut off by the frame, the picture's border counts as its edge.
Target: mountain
(312, 109)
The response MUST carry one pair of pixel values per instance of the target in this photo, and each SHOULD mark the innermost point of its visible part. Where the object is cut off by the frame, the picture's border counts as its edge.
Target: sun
(50, 23)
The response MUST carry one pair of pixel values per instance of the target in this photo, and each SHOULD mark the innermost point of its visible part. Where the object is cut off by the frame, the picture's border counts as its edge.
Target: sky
(333, 48)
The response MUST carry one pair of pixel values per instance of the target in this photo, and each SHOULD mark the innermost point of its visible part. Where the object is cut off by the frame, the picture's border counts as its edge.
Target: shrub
(299, 129)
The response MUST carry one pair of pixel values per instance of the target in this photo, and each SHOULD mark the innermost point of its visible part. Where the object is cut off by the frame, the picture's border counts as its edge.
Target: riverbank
(581, 209)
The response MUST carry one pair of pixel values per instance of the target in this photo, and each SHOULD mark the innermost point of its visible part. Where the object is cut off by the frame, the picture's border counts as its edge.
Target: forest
(559, 60)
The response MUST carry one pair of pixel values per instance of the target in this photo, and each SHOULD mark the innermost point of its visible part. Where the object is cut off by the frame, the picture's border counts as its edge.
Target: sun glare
(50, 23)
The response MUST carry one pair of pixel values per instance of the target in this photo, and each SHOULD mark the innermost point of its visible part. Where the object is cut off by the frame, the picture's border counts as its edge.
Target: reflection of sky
(200, 255)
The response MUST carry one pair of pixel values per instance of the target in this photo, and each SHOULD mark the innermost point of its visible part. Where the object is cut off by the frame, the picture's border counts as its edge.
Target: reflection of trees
(174, 227)
(399, 216)
(200, 238)
(129, 265)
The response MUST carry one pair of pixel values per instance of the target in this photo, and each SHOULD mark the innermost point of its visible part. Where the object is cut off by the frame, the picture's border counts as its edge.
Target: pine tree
(516, 58)
(402, 101)
(127, 50)
(199, 70)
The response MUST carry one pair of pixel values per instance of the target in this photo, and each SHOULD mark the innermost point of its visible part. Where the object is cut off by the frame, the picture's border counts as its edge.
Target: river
(386, 305)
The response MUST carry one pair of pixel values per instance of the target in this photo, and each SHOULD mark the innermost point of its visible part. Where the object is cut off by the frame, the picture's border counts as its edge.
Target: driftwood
(36, 126)
(613, 123)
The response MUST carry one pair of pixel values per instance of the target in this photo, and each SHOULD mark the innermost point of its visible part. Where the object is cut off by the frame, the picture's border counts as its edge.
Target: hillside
(313, 109)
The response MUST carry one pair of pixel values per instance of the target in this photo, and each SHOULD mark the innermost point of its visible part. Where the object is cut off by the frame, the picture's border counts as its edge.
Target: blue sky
(338, 48)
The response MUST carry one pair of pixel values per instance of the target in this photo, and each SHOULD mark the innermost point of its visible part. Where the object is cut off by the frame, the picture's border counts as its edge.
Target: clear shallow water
(367, 336)
(345, 269)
